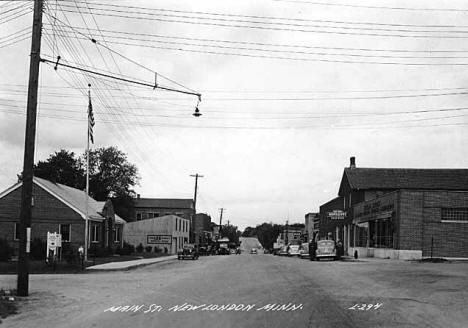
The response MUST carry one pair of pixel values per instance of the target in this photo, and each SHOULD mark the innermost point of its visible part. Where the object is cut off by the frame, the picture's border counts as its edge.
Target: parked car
(304, 251)
(325, 249)
(293, 250)
(253, 251)
(283, 251)
(188, 252)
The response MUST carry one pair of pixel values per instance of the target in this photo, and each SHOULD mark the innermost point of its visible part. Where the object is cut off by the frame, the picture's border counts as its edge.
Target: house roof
(382, 178)
(74, 198)
(164, 203)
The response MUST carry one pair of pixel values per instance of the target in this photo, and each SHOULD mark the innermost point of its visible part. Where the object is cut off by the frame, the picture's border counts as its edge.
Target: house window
(152, 215)
(138, 216)
(95, 232)
(117, 234)
(168, 213)
(16, 232)
(455, 214)
(64, 230)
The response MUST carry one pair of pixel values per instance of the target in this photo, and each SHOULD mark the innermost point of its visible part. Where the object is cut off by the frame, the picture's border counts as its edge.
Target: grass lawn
(39, 267)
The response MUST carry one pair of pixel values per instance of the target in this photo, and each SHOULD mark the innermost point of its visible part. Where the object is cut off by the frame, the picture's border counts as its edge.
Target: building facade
(166, 234)
(201, 228)
(62, 209)
(401, 213)
(312, 224)
(149, 208)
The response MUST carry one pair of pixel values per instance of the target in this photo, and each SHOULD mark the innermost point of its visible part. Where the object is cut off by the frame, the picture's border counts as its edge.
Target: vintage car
(283, 251)
(253, 251)
(304, 251)
(293, 250)
(188, 252)
(325, 249)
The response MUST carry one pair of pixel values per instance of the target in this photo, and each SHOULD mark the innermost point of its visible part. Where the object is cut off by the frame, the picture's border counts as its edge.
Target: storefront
(411, 224)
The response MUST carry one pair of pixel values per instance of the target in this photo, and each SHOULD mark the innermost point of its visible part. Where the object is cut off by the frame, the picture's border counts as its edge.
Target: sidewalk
(125, 265)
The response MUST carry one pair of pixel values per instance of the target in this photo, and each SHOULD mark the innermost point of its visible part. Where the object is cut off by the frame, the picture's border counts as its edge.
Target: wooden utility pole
(192, 233)
(221, 210)
(196, 176)
(29, 147)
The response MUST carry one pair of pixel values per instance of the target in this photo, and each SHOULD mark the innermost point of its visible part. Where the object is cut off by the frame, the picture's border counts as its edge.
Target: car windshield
(325, 243)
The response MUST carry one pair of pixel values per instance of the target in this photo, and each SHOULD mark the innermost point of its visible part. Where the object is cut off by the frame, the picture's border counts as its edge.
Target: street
(251, 291)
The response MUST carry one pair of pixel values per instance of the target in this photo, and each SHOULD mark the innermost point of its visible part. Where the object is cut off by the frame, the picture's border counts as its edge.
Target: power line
(275, 44)
(146, 9)
(373, 7)
(125, 14)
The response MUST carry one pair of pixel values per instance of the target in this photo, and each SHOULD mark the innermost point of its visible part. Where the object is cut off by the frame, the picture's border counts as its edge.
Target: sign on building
(158, 239)
(337, 215)
(54, 241)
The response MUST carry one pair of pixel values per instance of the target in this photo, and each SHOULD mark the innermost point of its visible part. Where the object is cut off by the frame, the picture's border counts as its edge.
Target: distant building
(165, 234)
(291, 235)
(149, 208)
(201, 228)
(62, 209)
(400, 213)
(312, 223)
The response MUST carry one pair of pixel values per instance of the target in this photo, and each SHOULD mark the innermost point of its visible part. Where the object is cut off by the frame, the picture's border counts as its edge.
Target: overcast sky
(290, 90)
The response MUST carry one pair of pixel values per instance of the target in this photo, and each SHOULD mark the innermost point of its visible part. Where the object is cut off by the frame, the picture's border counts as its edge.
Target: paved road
(313, 294)
(247, 243)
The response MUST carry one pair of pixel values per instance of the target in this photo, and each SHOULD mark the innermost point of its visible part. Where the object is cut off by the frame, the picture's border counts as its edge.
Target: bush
(98, 251)
(38, 249)
(6, 251)
(157, 249)
(70, 253)
(139, 248)
(148, 249)
(127, 249)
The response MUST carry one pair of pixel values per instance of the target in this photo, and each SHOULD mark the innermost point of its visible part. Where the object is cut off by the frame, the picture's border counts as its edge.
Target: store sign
(337, 215)
(158, 239)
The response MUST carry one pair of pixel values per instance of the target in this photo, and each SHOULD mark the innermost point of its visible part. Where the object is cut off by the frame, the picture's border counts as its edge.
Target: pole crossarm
(57, 63)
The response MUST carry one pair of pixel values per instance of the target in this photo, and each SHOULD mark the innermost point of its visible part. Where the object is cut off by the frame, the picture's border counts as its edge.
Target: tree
(231, 232)
(267, 233)
(62, 167)
(111, 175)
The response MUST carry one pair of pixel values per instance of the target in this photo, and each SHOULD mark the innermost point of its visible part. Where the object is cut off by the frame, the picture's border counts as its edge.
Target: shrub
(139, 248)
(127, 249)
(38, 249)
(157, 249)
(70, 253)
(148, 249)
(6, 251)
(98, 251)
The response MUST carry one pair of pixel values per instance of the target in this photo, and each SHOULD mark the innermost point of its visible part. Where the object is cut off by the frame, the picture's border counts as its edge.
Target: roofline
(61, 199)
(12, 188)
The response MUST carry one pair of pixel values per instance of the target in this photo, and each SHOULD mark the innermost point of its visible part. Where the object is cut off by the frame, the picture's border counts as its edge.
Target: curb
(131, 266)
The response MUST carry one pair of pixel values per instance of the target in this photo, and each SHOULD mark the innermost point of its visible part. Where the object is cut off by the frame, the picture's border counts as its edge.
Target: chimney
(352, 162)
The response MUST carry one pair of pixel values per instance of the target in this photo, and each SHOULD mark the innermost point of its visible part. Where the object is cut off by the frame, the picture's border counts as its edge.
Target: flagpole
(87, 185)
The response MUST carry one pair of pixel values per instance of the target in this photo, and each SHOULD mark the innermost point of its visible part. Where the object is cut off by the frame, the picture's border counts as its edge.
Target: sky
(290, 91)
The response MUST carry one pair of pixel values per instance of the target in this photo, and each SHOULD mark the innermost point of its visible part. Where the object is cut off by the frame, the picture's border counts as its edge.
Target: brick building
(62, 209)
(331, 218)
(402, 213)
(201, 228)
(149, 208)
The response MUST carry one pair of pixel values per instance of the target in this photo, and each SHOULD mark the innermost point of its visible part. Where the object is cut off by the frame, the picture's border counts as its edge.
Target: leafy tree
(62, 167)
(231, 232)
(111, 175)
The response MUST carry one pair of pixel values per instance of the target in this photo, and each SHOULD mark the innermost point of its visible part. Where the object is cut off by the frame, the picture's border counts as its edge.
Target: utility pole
(196, 176)
(286, 237)
(192, 233)
(29, 147)
(221, 210)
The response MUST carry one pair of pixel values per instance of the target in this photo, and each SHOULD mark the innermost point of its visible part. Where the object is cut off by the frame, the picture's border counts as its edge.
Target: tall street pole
(221, 210)
(192, 233)
(29, 147)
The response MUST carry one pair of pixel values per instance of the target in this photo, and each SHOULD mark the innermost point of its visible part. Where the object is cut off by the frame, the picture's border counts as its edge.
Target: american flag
(90, 121)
